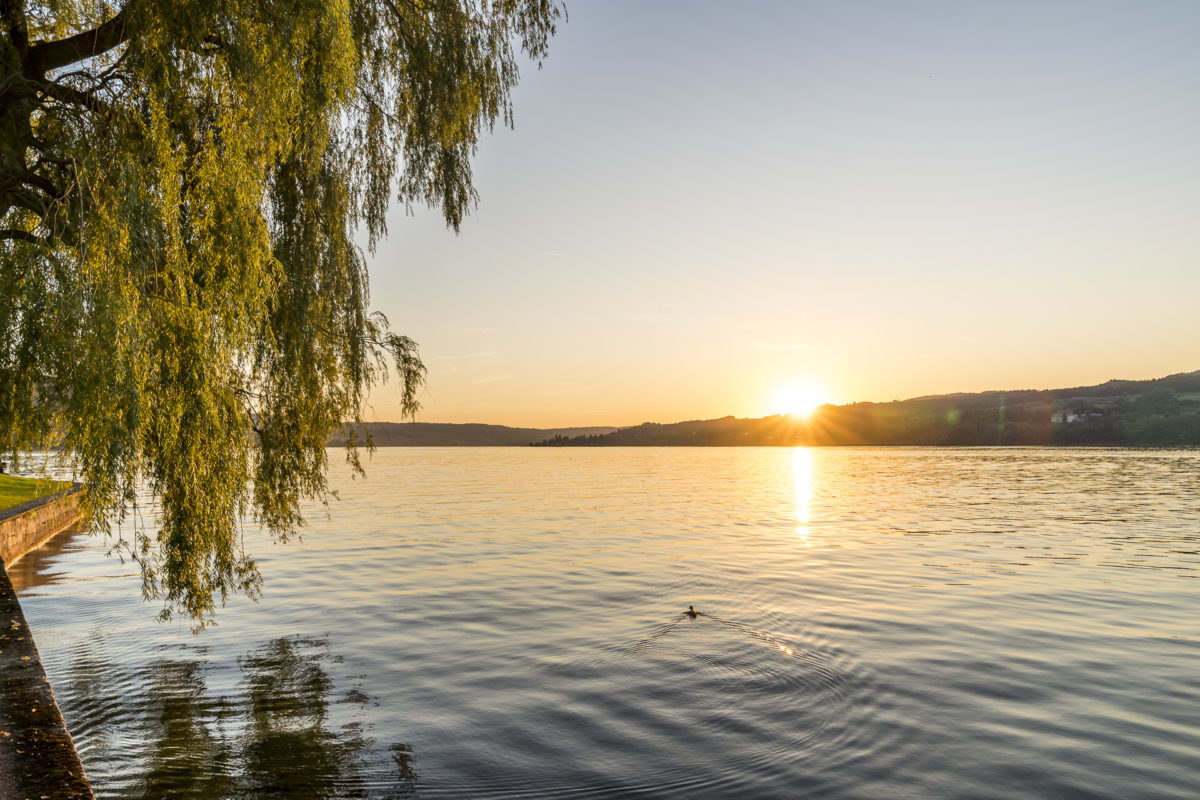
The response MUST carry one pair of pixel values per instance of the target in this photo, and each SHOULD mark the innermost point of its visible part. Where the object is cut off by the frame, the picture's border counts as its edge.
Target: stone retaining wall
(37, 756)
(27, 526)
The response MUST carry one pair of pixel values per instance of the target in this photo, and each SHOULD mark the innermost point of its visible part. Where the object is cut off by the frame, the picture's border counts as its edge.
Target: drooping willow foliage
(182, 302)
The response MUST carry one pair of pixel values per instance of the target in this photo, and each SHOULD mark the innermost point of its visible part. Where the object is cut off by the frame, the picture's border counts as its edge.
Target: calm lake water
(875, 623)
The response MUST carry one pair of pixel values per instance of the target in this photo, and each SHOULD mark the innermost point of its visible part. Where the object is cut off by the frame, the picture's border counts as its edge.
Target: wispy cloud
(465, 356)
(555, 254)
(496, 379)
(781, 348)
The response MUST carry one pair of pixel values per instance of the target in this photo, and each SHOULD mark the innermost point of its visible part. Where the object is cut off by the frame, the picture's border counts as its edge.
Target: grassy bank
(15, 490)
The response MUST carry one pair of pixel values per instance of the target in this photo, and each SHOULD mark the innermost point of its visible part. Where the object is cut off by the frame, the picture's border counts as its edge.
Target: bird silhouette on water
(691, 612)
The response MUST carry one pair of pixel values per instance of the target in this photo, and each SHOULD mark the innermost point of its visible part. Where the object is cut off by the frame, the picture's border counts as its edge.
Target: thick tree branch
(69, 94)
(26, 200)
(46, 56)
(21, 236)
(44, 185)
(44, 159)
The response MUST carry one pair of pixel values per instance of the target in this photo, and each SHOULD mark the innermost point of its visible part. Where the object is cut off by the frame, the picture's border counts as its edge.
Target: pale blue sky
(702, 201)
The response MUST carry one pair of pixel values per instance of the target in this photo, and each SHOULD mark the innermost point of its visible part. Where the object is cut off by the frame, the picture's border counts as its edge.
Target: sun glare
(799, 399)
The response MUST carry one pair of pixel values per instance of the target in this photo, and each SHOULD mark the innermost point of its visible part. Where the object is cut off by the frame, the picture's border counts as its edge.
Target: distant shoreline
(1154, 413)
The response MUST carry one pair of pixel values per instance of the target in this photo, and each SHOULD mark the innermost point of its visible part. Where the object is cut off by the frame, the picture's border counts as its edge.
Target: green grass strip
(15, 490)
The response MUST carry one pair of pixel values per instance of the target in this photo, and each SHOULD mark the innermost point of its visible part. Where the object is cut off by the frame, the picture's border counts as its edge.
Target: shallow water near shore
(486, 622)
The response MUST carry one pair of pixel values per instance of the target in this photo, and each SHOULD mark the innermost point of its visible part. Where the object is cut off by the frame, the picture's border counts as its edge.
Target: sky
(703, 202)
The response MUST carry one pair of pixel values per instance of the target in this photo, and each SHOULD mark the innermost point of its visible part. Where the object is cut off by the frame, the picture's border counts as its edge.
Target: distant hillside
(442, 434)
(1162, 412)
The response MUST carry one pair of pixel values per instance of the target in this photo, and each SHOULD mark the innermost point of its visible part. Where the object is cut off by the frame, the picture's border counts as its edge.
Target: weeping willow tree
(182, 302)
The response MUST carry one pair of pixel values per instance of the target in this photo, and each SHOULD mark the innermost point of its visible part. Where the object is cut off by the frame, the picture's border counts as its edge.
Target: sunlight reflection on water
(802, 472)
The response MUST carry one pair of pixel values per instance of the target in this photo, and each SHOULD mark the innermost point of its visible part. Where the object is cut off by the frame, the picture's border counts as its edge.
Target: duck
(691, 612)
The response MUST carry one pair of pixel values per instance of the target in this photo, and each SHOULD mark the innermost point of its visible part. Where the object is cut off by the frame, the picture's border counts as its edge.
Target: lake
(487, 622)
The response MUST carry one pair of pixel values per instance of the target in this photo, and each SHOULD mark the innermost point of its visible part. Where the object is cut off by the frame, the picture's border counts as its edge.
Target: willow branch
(46, 56)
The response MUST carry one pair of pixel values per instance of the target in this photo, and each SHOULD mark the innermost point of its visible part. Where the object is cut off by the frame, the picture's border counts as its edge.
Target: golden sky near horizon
(702, 203)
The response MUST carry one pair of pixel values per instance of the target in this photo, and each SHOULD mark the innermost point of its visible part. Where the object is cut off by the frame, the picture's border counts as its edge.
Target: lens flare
(798, 399)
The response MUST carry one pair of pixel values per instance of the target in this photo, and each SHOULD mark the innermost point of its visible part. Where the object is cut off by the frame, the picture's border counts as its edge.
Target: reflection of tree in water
(273, 739)
(403, 755)
(288, 748)
(189, 758)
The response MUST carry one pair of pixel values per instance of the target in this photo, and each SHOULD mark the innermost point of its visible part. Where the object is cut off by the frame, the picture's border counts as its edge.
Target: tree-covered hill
(1159, 412)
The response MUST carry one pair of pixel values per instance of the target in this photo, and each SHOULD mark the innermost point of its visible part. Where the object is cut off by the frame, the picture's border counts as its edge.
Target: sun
(798, 399)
